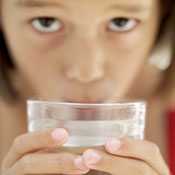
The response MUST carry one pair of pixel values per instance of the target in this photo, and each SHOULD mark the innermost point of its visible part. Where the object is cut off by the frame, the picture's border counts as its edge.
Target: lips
(88, 112)
(87, 101)
(84, 101)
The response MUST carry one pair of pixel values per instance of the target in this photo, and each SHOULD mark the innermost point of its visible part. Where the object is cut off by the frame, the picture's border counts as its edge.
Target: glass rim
(78, 104)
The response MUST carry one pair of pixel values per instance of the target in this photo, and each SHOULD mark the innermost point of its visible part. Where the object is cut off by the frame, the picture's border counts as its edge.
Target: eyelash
(38, 22)
(132, 24)
(57, 24)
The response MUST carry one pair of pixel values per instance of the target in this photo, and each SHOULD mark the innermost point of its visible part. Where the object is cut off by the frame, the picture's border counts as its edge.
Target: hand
(26, 155)
(127, 156)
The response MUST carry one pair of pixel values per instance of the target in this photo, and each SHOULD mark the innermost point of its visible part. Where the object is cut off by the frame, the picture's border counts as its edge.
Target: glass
(89, 125)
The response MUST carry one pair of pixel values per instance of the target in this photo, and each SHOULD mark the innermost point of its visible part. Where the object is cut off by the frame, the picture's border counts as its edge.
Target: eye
(47, 24)
(122, 24)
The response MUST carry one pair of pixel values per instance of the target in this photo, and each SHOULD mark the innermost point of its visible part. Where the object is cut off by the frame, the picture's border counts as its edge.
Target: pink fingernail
(80, 164)
(113, 145)
(91, 157)
(59, 135)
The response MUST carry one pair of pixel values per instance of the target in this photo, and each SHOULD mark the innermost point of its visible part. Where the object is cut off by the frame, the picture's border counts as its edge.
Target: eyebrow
(38, 3)
(130, 7)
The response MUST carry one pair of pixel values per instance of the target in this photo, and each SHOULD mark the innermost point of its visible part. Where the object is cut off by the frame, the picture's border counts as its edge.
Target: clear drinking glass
(89, 125)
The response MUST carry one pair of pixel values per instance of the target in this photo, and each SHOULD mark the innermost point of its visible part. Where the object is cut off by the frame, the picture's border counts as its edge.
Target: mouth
(89, 101)
(99, 101)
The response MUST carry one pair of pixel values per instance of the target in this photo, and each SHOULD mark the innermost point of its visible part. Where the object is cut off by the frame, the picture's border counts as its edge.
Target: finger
(143, 150)
(35, 163)
(34, 141)
(102, 161)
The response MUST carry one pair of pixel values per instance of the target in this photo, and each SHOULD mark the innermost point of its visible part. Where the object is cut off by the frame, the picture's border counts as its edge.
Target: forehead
(93, 7)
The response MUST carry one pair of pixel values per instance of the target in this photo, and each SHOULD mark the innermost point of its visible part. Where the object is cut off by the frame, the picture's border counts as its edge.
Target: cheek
(140, 39)
(126, 60)
(35, 54)
(126, 68)
(129, 52)
(130, 44)
(39, 65)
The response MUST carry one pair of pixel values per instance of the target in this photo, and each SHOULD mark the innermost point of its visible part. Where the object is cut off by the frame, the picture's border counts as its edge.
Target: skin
(88, 60)
(105, 50)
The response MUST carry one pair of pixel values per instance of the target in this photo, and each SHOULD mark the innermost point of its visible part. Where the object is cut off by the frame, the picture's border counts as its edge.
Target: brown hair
(8, 91)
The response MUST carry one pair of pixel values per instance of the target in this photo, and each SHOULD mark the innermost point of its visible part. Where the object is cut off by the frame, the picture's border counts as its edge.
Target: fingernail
(80, 164)
(59, 134)
(113, 145)
(91, 157)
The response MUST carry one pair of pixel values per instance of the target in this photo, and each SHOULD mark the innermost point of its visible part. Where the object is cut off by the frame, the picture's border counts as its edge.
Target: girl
(85, 51)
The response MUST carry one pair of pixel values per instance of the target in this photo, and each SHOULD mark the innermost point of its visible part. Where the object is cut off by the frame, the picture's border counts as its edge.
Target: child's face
(80, 50)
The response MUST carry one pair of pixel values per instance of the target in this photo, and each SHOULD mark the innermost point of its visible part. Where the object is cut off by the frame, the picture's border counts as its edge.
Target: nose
(87, 62)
